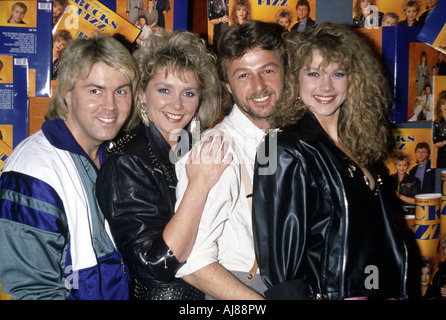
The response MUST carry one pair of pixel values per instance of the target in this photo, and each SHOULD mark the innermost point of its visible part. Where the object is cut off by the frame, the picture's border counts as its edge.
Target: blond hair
(77, 61)
(178, 52)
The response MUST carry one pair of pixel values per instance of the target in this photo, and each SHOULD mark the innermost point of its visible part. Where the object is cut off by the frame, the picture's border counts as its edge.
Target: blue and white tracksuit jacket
(54, 242)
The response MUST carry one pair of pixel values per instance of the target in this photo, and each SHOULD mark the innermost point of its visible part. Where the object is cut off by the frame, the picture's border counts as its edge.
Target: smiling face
(172, 101)
(411, 14)
(323, 89)
(401, 166)
(256, 82)
(425, 276)
(98, 106)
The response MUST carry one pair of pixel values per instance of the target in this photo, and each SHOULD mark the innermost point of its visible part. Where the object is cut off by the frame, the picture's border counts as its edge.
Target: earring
(143, 113)
(194, 128)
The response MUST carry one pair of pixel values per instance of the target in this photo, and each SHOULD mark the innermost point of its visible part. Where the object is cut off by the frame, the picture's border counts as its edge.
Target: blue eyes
(245, 75)
(189, 94)
(335, 74)
(99, 91)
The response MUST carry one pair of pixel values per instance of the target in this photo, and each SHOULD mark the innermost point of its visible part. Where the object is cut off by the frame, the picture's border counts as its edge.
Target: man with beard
(252, 65)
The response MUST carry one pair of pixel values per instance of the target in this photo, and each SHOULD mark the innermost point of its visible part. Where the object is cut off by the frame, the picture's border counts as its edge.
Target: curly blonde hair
(238, 4)
(178, 52)
(364, 114)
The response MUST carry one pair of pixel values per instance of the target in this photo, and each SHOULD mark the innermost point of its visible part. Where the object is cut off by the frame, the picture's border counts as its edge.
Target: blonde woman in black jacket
(137, 182)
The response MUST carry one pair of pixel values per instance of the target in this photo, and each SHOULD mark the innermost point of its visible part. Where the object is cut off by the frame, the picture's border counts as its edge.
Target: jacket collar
(58, 134)
(314, 131)
(245, 128)
(311, 129)
(159, 145)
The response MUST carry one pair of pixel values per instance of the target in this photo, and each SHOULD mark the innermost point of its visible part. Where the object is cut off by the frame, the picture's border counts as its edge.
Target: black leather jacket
(136, 191)
(319, 231)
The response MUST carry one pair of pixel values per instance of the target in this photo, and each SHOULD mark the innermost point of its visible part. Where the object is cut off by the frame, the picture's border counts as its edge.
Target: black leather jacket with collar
(136, 191)
(320, 232)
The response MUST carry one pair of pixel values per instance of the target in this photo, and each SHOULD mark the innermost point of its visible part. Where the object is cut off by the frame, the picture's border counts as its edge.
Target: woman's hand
(205, 167)
(203, 170)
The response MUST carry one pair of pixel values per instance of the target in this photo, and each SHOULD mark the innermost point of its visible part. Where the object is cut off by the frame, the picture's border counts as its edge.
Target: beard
(261, 112)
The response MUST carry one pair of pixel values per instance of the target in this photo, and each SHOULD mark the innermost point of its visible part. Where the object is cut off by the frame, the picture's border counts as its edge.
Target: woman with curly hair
(241, 11)
(320, 219)
(439, 129)
(136, 184)
(366, 14)
(60, 40)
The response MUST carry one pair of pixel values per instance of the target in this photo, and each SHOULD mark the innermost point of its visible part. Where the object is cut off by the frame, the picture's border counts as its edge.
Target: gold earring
(143, 113)
(194, 126)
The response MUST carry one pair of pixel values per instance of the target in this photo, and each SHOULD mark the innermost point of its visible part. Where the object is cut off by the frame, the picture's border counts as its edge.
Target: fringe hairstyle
(77, 60)
(178, 52)
(363, 120)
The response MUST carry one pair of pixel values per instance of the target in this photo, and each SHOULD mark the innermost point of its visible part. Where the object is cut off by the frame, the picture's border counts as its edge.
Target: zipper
(344, 255)
(123, 266)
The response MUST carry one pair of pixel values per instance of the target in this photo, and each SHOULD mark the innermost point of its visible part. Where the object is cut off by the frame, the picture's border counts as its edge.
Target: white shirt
(225, 231)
